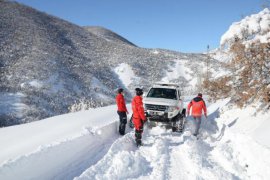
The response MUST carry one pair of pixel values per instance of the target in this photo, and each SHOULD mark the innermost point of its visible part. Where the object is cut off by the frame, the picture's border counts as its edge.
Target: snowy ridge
(107, 35)
(254, 28)
(251, 29)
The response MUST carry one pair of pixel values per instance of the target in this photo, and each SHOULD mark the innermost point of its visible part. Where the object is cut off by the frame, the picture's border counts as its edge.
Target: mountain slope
(247, 47)
(48, 64)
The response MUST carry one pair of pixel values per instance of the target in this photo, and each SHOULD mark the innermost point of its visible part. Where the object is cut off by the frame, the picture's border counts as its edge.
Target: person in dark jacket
(197, 105)
(121, 110)
(138, 115)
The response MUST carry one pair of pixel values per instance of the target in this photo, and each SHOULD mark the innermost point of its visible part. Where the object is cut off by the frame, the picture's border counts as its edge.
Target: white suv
(163, 105)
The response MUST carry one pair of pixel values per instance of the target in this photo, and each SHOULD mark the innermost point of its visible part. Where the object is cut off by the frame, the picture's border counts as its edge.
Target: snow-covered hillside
(245, 50)
(53, 64)
(108, 35)
(86, 145)
(254, 28)
(251, 29)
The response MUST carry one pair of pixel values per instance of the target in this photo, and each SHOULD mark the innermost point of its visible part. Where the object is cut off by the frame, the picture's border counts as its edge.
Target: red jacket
(197, 105)
(137, 108)
(120, 101)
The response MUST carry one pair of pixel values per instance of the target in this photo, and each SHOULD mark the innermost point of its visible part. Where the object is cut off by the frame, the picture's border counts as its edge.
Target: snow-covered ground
(86, 145)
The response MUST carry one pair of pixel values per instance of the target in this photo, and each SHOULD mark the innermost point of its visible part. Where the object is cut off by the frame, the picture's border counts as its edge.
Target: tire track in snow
(165, 155)
(122, 161)
(194, 161)
(125, 161)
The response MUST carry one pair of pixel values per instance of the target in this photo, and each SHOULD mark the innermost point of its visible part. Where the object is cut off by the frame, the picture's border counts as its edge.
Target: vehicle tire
(174, 123)
(181, 120)
(184, 112)
(182, 123)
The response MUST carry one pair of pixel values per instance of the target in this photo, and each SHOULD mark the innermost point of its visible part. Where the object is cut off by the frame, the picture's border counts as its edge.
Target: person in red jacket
(121, 110)
(138, 115)
(197, 105)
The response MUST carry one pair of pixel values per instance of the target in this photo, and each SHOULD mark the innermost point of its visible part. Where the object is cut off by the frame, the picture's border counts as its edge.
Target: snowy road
(167, 155)
(86, 145)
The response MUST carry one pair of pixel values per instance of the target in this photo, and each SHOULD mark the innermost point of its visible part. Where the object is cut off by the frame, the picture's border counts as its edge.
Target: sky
(180, 25)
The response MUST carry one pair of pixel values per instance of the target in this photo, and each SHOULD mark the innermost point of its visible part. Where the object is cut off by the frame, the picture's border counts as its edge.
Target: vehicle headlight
(172, 108)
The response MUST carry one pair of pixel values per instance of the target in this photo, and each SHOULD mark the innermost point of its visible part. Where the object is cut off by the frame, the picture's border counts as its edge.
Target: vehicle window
(162, 93)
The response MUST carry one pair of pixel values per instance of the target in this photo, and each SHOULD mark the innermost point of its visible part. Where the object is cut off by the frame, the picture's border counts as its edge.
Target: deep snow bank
(23, 139)
(252, 122)
(60, 147)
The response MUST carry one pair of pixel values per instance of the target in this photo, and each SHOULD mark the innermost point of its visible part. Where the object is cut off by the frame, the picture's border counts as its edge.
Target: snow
(155, 51)
(52, 130)
(126, 74)
(177, 70)
(36, 83)
(254, 28)
(233, 143)
(97, 84)
(49, 149)
(55, 83)
(12, 103)
(250, 121)
(221, 55)
(86, 145)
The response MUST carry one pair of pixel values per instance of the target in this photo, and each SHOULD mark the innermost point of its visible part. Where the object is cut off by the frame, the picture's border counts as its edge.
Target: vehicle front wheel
(178, 125)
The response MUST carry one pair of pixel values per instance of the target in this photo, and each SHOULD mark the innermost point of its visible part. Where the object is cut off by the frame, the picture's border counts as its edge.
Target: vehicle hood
(160, 101)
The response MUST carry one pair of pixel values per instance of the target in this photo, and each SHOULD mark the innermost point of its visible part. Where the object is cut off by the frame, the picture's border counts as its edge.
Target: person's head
(120, 90)
(139, 91)
(200, 95)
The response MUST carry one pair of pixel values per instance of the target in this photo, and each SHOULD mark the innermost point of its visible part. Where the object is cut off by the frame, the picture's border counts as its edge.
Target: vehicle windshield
(162, 93)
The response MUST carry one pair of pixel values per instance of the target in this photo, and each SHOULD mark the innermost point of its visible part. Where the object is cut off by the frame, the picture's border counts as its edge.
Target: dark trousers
(138, 134)
(198, 121)
(123, 122)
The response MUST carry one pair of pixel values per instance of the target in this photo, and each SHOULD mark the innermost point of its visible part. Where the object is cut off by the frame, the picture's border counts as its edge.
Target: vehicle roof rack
(166, 84)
